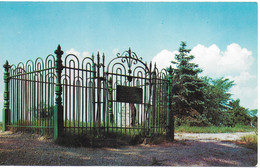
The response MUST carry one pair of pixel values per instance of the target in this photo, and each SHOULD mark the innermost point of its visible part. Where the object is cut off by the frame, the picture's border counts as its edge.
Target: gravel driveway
(187, 150)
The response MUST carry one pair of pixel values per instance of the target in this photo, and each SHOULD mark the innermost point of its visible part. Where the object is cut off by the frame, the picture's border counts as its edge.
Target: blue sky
(34, 29)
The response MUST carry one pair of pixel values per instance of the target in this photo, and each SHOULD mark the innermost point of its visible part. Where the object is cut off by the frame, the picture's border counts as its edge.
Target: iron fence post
(153, 87)
(93, 95)
(170, 121)
(58, 109)
(150, 94)
(98, 92)
(6, 109)
(110, 102)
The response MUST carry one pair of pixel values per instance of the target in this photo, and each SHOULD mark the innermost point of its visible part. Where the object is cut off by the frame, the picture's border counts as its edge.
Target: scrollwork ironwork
(130, 58)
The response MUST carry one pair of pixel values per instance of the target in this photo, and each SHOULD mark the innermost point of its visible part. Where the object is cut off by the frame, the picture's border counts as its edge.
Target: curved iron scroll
(130, 58)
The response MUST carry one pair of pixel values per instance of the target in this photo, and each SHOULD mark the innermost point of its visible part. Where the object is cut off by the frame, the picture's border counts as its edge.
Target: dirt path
(212, 136)
(188, 150)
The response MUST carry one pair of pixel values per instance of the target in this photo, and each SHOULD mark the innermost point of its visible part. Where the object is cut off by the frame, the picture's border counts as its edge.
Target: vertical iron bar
(93, 123)
(21, 102)
(82, 99)
(150, 92)
(146, 106)
(37, 103)
(45, 99)
(11, 100)
(110, 102)
(86, 101)
(74, 97)
(104, 90)
(41, 101)
(29, 100)
(98, 92)
(154, 98)
(16, 123)
(47, 91)
(34, 100)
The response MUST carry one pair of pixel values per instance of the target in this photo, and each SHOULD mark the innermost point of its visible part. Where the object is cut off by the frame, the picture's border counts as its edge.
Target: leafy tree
(239, 114)
(253, 115)
(187, 86)
(216, 100)
(253, 112)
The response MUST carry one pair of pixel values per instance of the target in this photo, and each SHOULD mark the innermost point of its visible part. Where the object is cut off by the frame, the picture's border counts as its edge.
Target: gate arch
(133, 95)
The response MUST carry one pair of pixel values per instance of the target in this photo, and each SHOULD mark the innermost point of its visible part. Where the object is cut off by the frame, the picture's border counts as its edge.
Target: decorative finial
(170, 70)
(6, 65)
(103, 58)
(59, 52)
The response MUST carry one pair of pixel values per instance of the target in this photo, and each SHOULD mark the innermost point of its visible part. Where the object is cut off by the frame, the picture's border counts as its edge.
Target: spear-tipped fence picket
(60, 96)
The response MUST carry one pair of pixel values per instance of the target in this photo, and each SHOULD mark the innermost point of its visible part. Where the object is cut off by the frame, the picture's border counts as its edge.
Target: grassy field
(214, 129)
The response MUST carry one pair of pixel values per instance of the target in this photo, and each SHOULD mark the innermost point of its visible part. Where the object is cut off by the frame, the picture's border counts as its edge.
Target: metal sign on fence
(129, 94)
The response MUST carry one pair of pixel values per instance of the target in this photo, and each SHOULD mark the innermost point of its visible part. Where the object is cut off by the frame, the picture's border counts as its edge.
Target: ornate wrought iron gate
(138, 95)
(71, 96)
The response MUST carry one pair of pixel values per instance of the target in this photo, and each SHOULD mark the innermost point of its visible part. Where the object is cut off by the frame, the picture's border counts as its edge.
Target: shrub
(198, 121)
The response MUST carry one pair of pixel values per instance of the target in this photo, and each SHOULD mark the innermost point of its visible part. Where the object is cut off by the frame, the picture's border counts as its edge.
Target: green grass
(0, 126)
(78, 126)
(213, 129)
(250, 141)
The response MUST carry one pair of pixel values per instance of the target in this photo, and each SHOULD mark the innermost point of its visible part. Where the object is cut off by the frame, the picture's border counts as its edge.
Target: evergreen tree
(187, 86)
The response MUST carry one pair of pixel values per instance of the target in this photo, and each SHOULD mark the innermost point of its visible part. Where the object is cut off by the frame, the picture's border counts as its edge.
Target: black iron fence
(65, 95)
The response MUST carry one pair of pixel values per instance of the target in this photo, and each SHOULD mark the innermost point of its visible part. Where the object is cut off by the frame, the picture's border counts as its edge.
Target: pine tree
(187, 86)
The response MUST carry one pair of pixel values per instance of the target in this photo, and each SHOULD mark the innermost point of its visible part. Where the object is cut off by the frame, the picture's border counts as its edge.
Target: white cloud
(86, 54)
(236, 58)
(207, 58)
(216, 63)
(72, 51)
(213, 61)
(243, 78)
(163, 59)
(247, 95)
(234, 64)
(79, 55)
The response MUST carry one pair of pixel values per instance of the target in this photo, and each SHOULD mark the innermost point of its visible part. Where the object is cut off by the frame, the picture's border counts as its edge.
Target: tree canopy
(204, 98)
